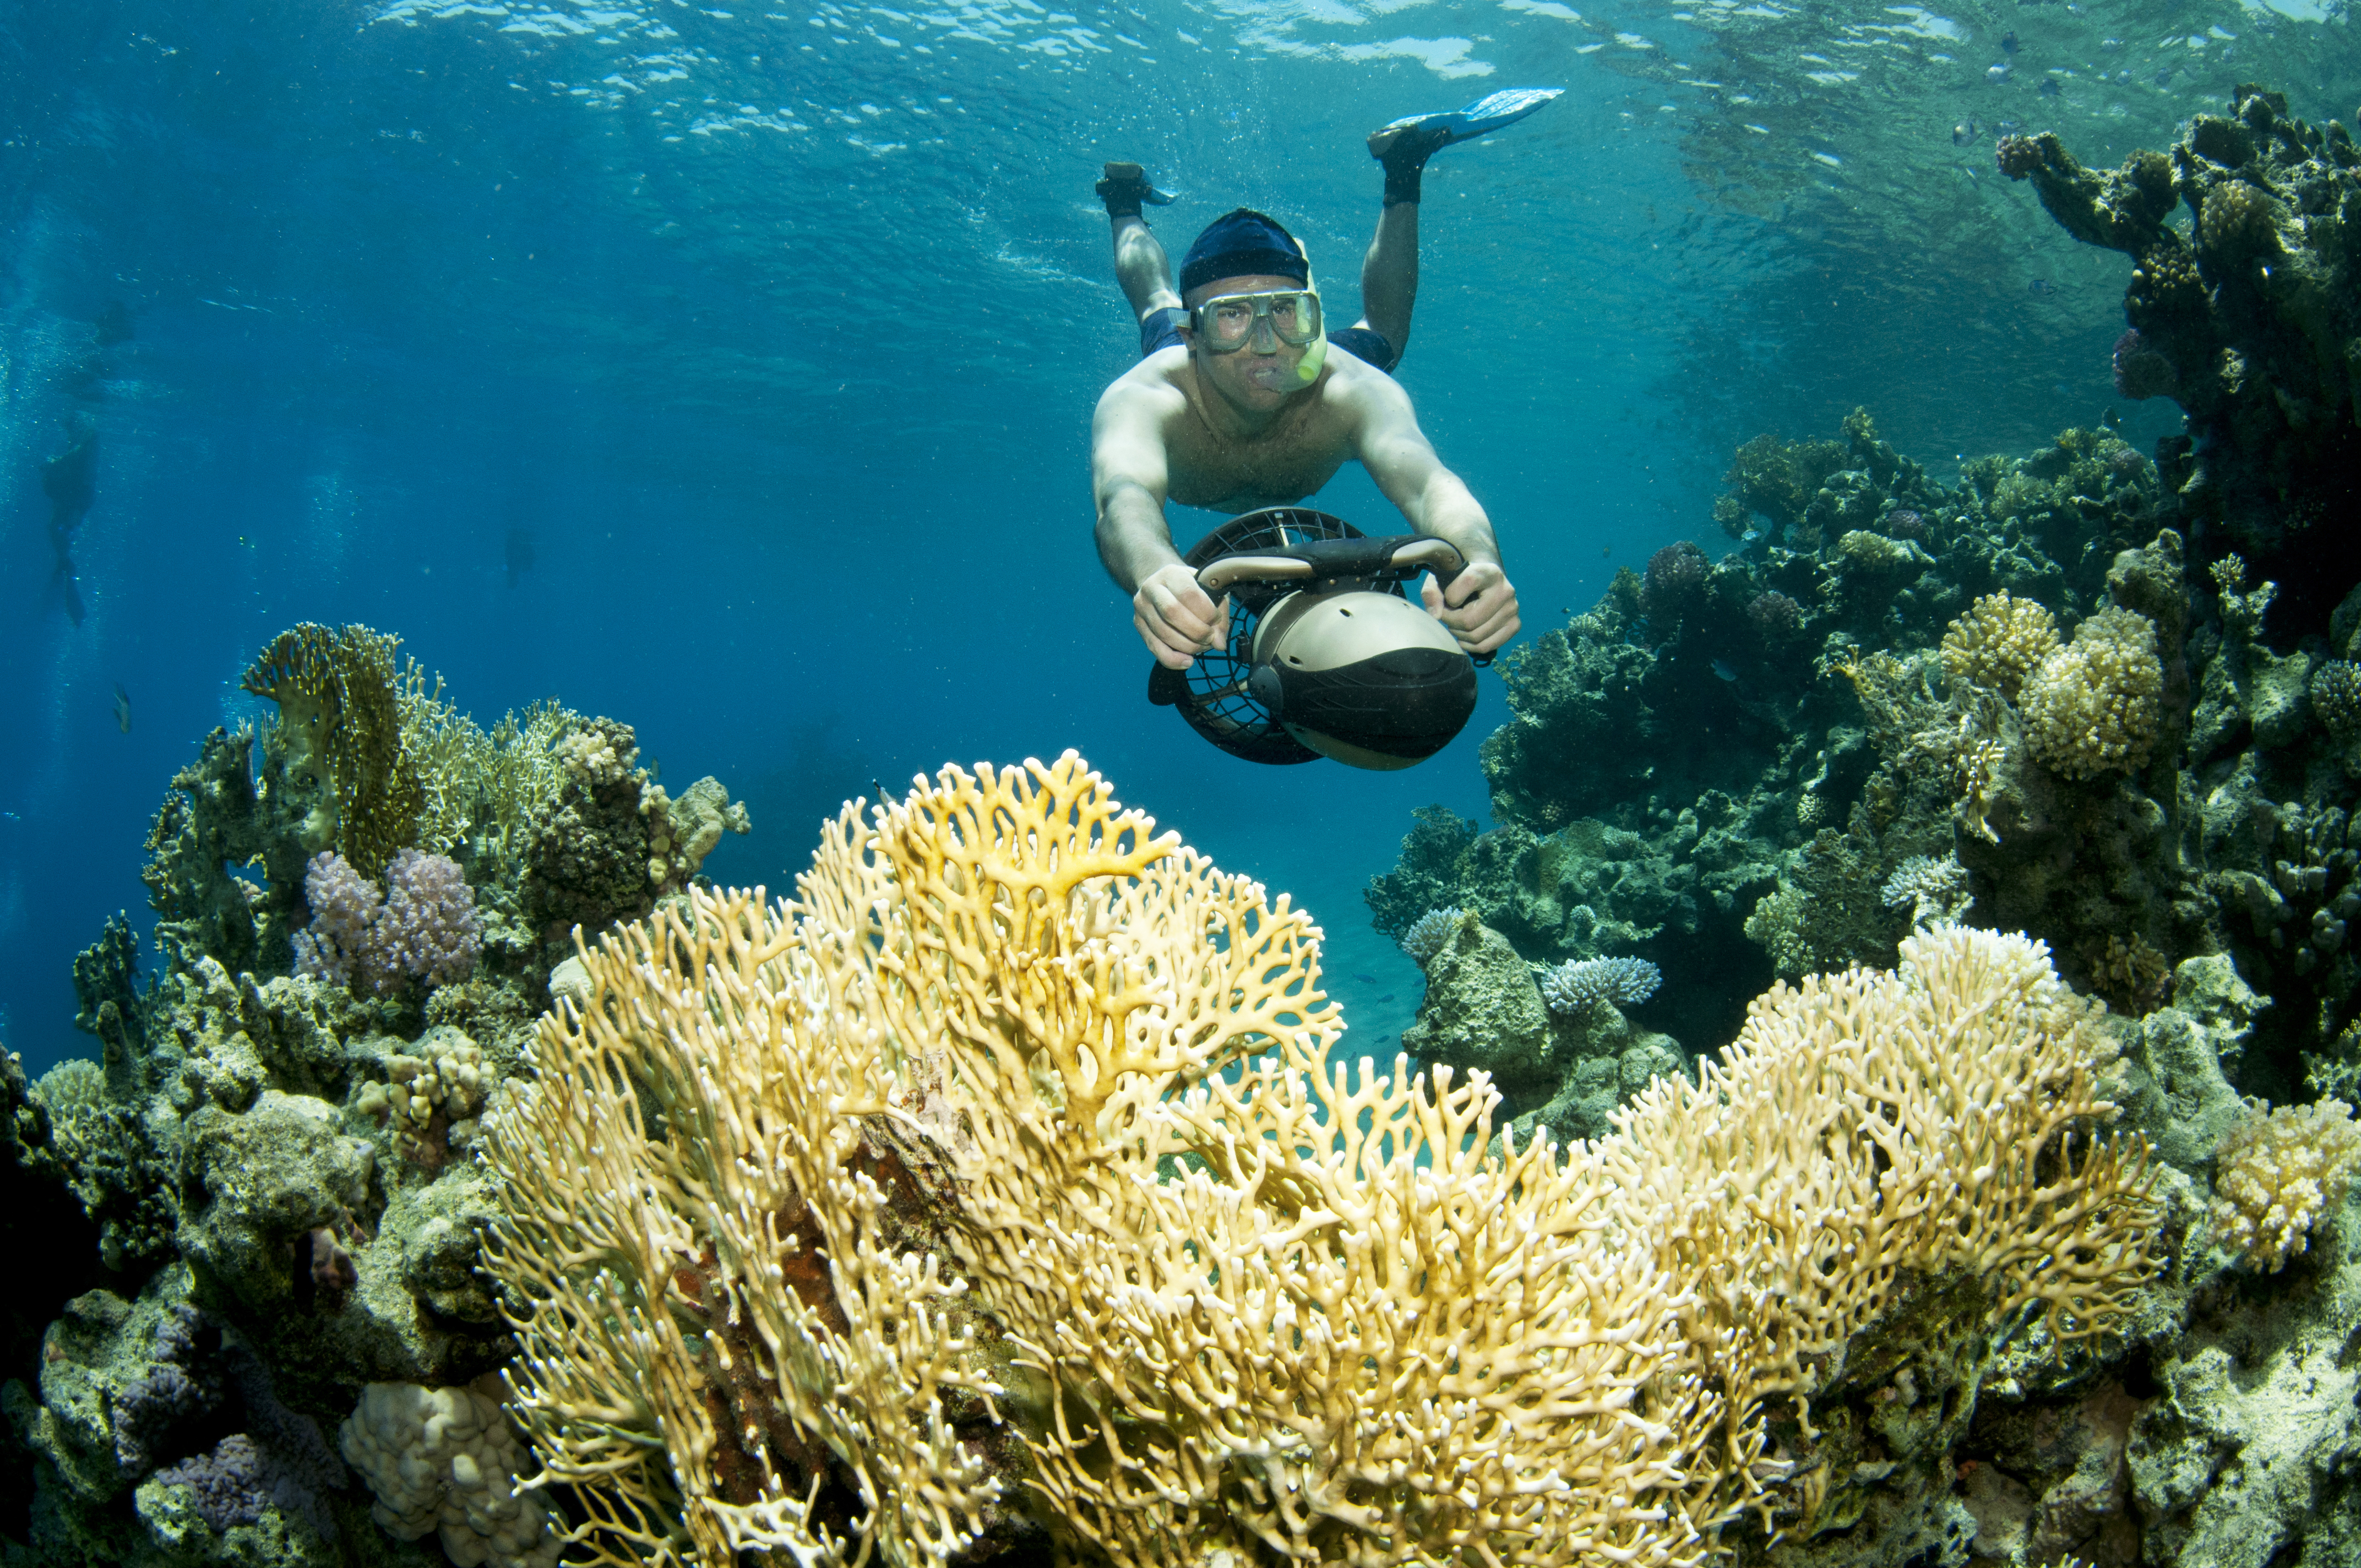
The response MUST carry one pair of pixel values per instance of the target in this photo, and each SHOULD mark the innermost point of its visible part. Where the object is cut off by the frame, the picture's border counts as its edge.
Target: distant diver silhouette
(519, 554)
(70, 481)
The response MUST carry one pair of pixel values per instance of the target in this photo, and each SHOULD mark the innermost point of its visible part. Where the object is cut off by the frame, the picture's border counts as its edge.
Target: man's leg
(1140, 264)
(1390, 274)
(1390, 271)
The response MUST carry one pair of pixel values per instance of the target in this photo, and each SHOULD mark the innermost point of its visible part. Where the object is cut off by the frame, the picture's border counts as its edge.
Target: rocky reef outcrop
(2247, 314)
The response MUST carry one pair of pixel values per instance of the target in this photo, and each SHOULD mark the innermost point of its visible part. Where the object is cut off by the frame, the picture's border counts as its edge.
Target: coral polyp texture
(1999, 642)
(1007, 1183)
(2093, 705)
(2279, 1174)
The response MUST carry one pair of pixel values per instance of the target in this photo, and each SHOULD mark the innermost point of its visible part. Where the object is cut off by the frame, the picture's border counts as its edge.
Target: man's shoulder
(1151, 388)
(1350, 377)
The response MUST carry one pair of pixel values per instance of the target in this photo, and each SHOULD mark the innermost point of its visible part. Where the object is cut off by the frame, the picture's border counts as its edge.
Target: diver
(1236, 403)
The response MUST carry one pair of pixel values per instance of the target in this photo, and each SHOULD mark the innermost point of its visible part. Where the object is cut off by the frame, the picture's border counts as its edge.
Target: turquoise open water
(778, 331)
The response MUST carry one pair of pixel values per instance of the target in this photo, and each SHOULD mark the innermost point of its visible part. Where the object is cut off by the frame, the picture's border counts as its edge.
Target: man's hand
(1177, 621)
(1480, 609)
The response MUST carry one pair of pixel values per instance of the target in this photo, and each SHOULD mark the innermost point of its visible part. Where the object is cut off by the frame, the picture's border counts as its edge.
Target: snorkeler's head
(1247, 260)
(1243, 244)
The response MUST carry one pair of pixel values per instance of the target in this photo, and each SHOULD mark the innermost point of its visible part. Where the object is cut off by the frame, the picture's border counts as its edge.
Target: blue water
(778, 332)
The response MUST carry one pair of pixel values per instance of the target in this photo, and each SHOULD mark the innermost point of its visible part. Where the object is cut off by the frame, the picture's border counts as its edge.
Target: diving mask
(1228, 322)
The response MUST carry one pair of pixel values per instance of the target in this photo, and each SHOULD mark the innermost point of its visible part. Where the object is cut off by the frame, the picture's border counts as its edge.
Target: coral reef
(270, 1169)
(2246, 320)
(1000, 1181)
(1773, 761)
(2062, 700)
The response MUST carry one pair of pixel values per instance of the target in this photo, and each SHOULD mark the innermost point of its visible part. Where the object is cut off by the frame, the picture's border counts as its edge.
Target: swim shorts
(1161, 329)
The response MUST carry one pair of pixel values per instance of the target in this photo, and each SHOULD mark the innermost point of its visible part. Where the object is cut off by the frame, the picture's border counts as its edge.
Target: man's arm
(1480, 607)
(1175, 617)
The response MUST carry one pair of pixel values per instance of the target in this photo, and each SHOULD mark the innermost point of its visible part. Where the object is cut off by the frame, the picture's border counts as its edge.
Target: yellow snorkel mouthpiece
(1307, 369)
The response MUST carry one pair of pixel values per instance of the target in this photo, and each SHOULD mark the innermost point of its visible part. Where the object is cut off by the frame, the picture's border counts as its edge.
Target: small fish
(2164, 77)
(1724, 671)
(1605, 551)
(1366, 978)
(1966, 131)
(2050, 88)
(1998, 72)
(122, 709)
(1749, 536)
(1389, 996)
(11, 817)
(2008, 43)
(2041, 286)
(2006, 127)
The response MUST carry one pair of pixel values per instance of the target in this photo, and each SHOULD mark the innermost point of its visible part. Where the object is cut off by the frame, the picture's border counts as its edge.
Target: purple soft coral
(422, 925)
(430, 927)
(344, 910)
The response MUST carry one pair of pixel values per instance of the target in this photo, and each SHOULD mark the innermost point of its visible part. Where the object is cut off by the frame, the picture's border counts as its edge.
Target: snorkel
(1307, 369)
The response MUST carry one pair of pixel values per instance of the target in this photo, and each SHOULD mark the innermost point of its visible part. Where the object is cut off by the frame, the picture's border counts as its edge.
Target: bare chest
(1276, 467)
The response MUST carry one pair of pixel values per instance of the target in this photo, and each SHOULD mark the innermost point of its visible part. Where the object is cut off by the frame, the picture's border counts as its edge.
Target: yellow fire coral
(2277, 1172)
(1998, 642)
(340, 711)
(1009, 1168)
(2093, 705)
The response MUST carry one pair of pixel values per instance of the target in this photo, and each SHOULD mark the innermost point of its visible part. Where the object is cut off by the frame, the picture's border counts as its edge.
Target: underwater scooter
(1327, 655)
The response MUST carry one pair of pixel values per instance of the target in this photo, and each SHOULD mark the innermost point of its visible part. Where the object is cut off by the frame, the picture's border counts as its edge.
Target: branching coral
(2277, 1172)
(1260, 1303)
(2093, 705)
(339, 705)
(1932, 887)
(1429, 932)
(1999, 642)
(481, 787)
(1577, 984)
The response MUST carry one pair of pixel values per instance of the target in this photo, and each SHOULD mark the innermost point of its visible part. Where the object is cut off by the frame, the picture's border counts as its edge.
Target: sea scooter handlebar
(1321, 565)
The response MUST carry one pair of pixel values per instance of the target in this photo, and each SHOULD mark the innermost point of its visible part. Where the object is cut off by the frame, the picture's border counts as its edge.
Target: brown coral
(339, 709)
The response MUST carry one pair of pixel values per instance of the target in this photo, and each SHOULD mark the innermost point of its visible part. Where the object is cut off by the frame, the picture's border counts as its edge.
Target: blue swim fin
(1424, 134)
